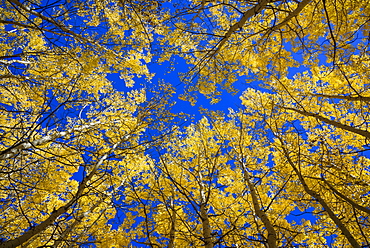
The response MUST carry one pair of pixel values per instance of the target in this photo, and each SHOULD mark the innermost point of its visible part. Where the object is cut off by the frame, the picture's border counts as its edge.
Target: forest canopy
(85, 164)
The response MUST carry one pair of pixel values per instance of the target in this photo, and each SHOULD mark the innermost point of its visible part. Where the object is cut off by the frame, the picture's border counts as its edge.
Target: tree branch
(361, 132)
(55, 214)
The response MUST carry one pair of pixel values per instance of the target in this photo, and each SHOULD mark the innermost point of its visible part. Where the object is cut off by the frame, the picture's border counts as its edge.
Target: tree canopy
(85, 164)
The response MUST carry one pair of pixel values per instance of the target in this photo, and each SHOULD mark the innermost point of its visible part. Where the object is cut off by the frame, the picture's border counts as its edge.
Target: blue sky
(164, 72)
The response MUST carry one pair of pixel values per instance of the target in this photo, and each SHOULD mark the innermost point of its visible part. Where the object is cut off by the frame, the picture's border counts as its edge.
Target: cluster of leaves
(83, 164)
